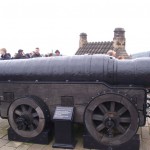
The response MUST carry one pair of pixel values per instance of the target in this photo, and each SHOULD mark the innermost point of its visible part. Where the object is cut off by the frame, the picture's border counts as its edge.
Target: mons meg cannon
(109, 96)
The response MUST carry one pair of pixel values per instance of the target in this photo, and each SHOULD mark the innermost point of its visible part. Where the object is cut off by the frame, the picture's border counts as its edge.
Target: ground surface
(5, 144)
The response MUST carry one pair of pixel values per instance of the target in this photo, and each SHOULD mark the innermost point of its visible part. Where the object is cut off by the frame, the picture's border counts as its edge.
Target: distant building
(141, 54)
(118, 45)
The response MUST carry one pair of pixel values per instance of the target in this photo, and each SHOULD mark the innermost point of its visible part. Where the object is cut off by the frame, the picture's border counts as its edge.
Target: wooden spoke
(34, 115)
(121, 111)
(30, 109)
(31, 127)
(121, 129)
(18, 112)
(23, 108)
(103, 108)
(98, 117)
(35, 122)
(100, 127)
(112, 106)
(125, 119)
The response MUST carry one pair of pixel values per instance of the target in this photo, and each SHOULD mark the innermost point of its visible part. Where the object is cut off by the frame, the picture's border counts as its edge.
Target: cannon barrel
(83, 68)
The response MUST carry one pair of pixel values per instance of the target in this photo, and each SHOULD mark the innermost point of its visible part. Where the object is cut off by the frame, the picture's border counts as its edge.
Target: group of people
(113, 53)
(21, 55)
(36, 53)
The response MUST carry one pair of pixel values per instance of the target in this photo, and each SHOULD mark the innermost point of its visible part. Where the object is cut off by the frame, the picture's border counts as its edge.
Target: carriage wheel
(111, 119)
(28, 116)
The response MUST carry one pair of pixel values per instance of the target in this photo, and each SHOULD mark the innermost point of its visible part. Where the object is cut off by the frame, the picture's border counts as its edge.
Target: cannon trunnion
(108, 96)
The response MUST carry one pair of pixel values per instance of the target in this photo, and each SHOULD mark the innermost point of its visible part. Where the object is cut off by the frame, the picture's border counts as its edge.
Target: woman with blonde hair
(4, 54)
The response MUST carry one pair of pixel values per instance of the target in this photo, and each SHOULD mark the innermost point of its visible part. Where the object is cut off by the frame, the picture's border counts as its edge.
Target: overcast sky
(56, 24)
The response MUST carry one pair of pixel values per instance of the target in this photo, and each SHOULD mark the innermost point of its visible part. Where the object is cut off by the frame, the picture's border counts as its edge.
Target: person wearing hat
(57, 53)
(20, 54)
(4, 54)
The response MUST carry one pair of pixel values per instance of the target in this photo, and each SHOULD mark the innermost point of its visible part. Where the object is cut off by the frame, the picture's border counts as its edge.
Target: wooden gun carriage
(109, 95)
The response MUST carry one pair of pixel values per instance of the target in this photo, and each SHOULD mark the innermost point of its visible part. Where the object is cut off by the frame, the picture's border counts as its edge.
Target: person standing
(20, 55)
(36, 53)
(57, 53)
(4, 54)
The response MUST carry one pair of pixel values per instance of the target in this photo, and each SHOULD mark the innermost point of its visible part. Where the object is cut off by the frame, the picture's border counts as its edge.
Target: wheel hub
(22, 122)
(109, 123)
(111, 120)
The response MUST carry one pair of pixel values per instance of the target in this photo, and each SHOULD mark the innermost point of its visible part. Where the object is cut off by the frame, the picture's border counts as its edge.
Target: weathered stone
(145, 133)
(7, 148)
(148, 120)
(5, 137)
(4, 123)
(3, 142)
(145, 144)
(24, 147)
(3, 132)
(13, 144)
(139, 131)
(146, 124)
(37, 147)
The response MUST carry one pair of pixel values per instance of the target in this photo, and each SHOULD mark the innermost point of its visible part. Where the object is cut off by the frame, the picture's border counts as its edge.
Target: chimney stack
(83, 39)
(119, 39)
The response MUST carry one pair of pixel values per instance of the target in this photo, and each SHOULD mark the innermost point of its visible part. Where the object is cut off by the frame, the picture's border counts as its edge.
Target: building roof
(95, 48)
(102, 47)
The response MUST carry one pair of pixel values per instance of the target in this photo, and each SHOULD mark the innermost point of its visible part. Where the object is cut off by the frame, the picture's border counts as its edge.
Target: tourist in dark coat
(4, 54)
(20, 55)
(36, 53)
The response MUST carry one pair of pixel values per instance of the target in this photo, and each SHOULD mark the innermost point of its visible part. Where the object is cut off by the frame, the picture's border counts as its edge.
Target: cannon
(109, 95)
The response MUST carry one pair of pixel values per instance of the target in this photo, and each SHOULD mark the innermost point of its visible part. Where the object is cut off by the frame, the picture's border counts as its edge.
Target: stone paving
(5, 144)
